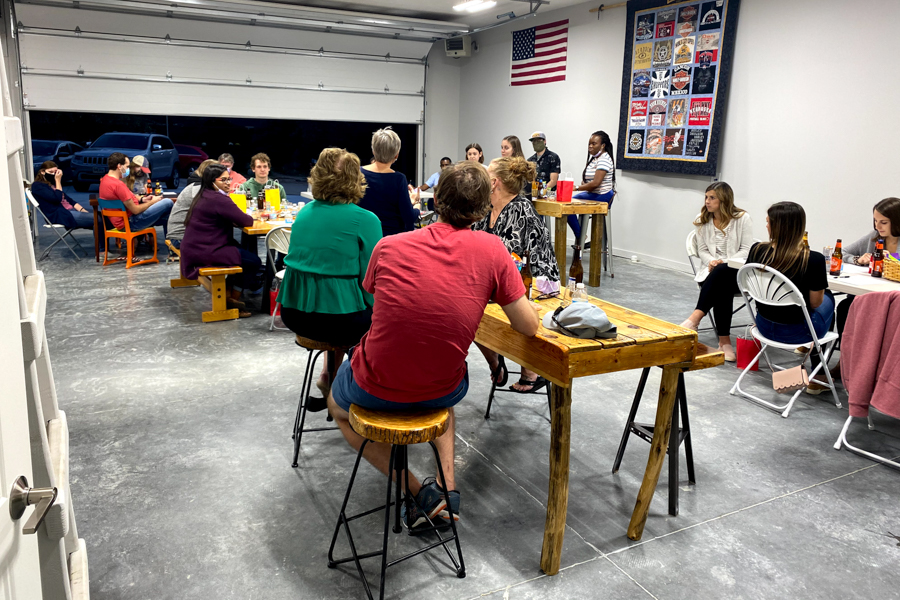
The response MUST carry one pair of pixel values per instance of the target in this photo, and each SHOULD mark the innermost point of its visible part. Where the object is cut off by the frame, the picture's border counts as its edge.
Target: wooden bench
(213, 279)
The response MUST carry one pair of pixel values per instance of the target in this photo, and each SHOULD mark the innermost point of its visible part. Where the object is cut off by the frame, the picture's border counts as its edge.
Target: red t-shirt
(114, 189)
(430, 287)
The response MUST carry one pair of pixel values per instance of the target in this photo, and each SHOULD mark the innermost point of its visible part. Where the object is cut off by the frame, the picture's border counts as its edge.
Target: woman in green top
(331, 242)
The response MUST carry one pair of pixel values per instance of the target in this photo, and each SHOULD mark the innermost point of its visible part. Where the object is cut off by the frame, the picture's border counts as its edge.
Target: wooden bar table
(643, 341)
(561, 210)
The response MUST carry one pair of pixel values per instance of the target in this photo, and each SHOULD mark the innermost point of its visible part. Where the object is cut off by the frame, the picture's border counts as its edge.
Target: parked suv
(88, 166)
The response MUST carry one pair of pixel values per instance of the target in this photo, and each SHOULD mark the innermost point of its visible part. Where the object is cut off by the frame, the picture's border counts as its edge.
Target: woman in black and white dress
(515, 221)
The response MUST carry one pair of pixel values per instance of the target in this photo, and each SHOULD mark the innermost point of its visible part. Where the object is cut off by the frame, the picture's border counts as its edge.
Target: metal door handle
(21, 496)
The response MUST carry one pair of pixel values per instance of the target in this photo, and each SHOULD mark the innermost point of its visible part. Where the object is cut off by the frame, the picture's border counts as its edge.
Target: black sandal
(501, 367)
(536, 385)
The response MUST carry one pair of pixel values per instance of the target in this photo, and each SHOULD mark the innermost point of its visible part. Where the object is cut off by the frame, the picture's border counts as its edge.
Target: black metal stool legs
(677, 436)
(494, 389)
(305, 391)
(398, 467)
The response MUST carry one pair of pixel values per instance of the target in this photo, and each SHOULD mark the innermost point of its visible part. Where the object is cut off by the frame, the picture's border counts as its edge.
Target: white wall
(441, 109)
(810, 117)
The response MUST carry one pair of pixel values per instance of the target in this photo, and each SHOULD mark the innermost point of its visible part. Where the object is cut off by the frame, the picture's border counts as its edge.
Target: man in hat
(546, 161)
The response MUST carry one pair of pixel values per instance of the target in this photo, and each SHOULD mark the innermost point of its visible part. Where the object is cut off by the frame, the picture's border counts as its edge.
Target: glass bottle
(877, 260)
(576, 271)
(527, 277)
(837, 259)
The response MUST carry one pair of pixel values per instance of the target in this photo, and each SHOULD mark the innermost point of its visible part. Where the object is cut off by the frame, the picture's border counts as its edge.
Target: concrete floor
(181, 477)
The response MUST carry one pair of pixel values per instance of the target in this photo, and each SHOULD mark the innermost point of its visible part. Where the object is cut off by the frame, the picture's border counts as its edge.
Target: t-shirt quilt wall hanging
(675, 83)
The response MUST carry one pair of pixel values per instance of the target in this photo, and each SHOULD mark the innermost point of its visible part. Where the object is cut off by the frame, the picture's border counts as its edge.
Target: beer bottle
(534, 188)
(806, 240)
(261, 200)
(837, 259)
(527, 277)
(576, 271)
(158, 188)
(878, 259)
(149, 188)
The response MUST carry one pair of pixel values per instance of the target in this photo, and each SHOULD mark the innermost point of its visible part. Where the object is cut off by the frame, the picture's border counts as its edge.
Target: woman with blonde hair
(724, 231)
(515, 221)
(332, 239)
(388, 193)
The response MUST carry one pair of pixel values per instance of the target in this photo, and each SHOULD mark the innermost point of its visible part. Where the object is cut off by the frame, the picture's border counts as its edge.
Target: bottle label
(835, 264)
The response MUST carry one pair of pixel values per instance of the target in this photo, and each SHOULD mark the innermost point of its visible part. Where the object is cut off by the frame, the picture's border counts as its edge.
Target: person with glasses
(208, 240)
(236, 178)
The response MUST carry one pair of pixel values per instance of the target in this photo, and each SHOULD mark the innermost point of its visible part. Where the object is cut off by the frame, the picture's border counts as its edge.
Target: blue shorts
(345, 392)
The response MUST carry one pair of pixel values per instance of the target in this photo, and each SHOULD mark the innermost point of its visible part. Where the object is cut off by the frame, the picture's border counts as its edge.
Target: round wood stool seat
(399, 428)
(316, 345)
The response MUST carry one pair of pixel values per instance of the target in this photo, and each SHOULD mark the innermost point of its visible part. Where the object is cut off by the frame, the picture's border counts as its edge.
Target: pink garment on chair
(870, 354)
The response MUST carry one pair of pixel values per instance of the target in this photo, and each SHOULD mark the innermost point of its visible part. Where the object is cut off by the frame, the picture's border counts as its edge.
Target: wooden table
(859, 281)
(561, 210)
(643, 341)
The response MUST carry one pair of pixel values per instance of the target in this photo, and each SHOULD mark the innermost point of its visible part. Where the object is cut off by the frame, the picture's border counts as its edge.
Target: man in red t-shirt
(431, 287)
(149, 213)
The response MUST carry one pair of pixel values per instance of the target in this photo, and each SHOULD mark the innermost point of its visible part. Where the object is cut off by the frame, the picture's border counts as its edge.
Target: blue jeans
(345, 392)
(158, 214)
(798, 333)
(248, 278)
(83, 220)
(573, 220)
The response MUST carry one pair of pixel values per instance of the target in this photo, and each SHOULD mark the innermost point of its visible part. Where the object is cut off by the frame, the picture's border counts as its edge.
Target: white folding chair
(693, 253)
(765, 285)
(842, 442)
(278, 241)
(55, 228)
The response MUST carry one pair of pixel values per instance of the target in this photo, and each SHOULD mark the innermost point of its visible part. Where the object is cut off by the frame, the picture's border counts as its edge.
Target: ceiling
(438, 10)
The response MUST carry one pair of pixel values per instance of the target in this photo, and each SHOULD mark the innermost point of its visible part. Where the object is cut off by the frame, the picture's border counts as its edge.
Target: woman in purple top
(208, 240)
(388, 193)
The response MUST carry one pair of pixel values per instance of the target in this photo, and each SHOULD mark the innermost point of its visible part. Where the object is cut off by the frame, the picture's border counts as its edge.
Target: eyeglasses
(555, 319)
(225, 180)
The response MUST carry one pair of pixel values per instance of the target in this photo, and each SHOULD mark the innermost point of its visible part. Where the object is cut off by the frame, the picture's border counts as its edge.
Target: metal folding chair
(55, 228)
(765, 285)
(278, 241)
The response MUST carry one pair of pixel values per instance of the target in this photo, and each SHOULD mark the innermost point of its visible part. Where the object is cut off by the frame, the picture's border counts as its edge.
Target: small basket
(892, 270)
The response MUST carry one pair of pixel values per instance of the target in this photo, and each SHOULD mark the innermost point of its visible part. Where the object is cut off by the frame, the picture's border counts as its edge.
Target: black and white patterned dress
(522, 229)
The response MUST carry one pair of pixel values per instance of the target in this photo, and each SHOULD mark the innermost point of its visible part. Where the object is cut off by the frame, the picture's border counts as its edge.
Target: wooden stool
(400, 429)
(706, 358)
(315, 349)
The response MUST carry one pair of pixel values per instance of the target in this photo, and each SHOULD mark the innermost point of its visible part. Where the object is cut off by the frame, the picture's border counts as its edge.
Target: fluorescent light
(481, 6)
(467, 5)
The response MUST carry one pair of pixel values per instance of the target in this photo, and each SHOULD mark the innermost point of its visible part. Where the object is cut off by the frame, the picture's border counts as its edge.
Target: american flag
(539, 54)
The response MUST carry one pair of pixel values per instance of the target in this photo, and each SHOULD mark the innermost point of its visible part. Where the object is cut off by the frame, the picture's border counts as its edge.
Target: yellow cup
(273, 197)
(240, 200)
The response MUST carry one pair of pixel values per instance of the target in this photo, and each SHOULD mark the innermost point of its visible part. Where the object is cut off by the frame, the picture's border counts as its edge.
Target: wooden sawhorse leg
(559, 244)
(658, 448)
(558, 494)
(596, 250)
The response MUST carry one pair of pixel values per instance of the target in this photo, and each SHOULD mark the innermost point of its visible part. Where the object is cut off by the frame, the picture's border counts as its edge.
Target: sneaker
(429, 504)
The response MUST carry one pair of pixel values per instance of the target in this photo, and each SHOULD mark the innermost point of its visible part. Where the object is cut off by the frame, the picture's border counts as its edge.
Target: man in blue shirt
(433, 180)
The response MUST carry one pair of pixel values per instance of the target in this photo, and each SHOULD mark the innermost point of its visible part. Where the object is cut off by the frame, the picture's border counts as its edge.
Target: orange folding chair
(116, 208)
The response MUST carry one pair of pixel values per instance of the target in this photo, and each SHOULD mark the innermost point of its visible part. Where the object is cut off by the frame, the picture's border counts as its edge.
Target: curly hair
(262, 157)
(513, 172)
(336, 178)
(463, 194)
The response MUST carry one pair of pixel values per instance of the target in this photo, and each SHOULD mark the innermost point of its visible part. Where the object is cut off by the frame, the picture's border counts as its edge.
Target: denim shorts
(345, 392)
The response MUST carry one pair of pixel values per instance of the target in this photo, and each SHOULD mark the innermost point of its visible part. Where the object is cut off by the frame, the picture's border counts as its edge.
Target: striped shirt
(721, 253)
(603, 163)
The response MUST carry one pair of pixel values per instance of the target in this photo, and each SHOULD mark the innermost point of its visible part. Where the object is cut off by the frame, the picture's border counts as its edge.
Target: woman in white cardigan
(723, 232)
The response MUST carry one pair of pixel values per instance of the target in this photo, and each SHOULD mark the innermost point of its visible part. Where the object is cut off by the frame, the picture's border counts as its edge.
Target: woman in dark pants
(208, 239)
(56, 206)
(724, 231)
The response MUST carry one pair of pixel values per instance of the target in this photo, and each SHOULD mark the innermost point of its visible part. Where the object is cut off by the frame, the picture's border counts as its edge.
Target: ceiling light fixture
(475, 5)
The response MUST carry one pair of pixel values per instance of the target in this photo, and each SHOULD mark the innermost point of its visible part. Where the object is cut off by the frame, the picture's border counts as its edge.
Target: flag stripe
(551, 25)
(545, 80)
(548, 53)
(541, 71)
(537, 63)
(550, 34)
(550, 46)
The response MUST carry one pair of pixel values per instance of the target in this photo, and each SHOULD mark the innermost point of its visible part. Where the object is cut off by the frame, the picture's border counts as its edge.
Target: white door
(20, 574)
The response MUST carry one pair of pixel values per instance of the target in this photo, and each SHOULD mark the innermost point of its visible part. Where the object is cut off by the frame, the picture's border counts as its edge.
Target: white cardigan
(738, 239)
